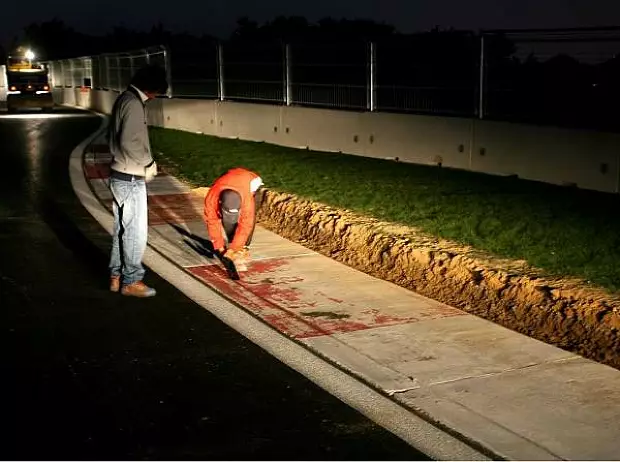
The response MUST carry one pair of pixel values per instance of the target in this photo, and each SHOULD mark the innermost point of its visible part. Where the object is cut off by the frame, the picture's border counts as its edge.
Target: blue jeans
(130, 229)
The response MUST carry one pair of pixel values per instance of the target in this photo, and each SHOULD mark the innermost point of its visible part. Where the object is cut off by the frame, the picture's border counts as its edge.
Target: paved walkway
(517, 397)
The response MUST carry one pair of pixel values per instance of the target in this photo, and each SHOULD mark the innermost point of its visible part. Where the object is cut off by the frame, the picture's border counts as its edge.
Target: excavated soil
(562, 312)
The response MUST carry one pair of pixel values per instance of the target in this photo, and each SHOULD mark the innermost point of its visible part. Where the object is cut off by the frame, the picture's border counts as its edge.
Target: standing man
(230, 206)
(131, 168)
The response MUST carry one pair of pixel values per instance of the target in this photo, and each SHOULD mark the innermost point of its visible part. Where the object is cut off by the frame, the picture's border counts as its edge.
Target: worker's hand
(239, 258)
(232, 254)
(238, 255)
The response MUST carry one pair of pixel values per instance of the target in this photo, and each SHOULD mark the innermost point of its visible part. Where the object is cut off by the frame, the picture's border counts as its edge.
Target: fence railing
(105, 72)
(564, 76)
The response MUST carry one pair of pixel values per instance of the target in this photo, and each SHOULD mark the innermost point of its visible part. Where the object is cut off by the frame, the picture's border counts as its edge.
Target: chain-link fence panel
(329, 75)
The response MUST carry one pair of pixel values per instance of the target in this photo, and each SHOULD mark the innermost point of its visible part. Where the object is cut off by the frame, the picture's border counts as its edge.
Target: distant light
(29, 55)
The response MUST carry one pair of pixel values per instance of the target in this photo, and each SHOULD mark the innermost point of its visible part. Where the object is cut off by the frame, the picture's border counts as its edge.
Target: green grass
(566, 232)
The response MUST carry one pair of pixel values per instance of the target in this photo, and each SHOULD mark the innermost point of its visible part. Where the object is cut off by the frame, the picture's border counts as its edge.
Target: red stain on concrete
(278, 298)
(335, 326)
(266, 266)
(265, 309)
(275, 293)
(175, 208)
(283, 322)
(94, 171)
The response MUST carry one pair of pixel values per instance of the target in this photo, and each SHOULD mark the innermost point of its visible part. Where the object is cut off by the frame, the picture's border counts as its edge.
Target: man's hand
(232, 254)
(150, 171)
(239, 258)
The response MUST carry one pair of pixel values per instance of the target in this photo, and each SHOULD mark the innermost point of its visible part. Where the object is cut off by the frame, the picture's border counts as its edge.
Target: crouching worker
(230, 213)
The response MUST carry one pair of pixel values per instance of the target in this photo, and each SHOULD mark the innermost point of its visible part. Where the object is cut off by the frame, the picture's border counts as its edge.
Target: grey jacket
(128, 135)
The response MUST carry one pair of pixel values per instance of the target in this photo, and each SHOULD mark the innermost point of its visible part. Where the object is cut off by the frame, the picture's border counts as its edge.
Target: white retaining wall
(588, 159)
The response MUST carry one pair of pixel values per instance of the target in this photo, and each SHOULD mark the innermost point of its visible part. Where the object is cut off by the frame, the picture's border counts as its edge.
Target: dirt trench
(562, 312)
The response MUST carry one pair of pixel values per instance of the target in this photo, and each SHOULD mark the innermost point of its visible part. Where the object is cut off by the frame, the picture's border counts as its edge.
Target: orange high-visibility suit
(245, 183)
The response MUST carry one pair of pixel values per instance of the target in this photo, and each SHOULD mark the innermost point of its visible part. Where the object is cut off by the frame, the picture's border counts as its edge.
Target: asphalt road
(94, 375)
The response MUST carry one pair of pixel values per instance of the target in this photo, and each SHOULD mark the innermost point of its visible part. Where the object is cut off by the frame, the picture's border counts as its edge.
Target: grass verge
(564, 231)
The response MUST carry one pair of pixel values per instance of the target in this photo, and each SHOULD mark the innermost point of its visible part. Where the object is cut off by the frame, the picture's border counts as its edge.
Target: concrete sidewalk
(517, 397)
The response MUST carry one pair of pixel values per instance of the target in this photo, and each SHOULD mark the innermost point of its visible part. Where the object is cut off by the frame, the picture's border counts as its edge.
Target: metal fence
(567, 76)
(104, 72)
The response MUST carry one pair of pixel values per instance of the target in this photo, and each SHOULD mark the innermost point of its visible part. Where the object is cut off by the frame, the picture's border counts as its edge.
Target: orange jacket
(237, 179)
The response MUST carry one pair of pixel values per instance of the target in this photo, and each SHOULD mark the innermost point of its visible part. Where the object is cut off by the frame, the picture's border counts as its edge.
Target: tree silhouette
(298, 29)
(54, 39)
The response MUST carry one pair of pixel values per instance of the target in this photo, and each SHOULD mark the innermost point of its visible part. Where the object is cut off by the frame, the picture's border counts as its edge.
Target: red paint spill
(96, 171)
(274, 300)
(271, 292)
(175, 208)
(282, 322)
(265, 266)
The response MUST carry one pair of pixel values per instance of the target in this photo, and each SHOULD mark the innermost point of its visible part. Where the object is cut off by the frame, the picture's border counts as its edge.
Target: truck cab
(27, 82)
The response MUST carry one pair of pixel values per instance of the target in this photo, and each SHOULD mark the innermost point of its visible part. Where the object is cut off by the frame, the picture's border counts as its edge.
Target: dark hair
(150, 79)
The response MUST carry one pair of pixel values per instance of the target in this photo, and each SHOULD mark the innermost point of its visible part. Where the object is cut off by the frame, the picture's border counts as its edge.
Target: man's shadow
(204, 247)
(199, 244)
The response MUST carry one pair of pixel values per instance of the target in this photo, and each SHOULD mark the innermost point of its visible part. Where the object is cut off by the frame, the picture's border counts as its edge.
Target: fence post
(220, 71)
(62, 72)
(72, 71)
(118, 73)
(88, 63)
(50, 72)
(288, 85)
(107, 73)
(131, 68)
(103, 84)
(481, 79)
(371, 99)
(168, 65)
(147, 56)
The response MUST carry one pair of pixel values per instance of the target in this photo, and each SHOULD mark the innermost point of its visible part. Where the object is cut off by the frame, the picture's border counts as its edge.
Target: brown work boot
(138, 289)
(115, 283)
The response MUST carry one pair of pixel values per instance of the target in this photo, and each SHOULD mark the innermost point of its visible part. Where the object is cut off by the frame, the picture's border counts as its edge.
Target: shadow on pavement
(204, 247)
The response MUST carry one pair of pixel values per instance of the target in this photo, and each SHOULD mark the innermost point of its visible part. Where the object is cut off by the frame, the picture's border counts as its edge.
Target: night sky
(217, 17)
